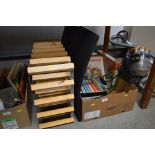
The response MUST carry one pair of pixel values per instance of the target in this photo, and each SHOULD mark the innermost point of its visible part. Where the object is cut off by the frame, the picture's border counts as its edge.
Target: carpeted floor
(136, 119)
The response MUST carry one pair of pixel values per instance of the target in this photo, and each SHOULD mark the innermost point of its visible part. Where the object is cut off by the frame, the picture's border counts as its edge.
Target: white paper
(6, 113)
(92, 114)
(104, 99)
(10, 124)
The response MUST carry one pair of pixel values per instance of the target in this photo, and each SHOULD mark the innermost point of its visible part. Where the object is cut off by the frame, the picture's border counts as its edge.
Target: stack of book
(51, 71)
(93, 84)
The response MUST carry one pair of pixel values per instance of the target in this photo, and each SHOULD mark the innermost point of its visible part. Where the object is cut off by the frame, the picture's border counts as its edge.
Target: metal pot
(137, 63)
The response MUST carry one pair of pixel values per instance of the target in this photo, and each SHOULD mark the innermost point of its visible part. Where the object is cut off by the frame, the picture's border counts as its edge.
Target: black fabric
(79, 42)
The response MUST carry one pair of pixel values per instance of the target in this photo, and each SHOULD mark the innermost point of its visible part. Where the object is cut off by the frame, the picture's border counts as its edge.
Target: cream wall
(144, 35)
(100, 31)
(22, 37)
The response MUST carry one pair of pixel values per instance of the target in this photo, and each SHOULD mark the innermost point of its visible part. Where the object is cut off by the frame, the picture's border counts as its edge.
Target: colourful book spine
(93, 85)
(83, 91)
(98, 89)
(98, 84)
(83, 82)
(88, 90)
(92, 90)
(89, 85)
(98, 79)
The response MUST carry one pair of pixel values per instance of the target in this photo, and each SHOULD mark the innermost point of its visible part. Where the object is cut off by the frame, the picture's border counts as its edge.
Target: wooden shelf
(51, 68)
(48, 61)
(54, 84)
(49, 54)
(51, 71)
(52, 104)
(52, 90)
(51, 76)
(55, 112)
(47, 44)
(54, 93)
(54, 99)
(47, 50)
(56, 123)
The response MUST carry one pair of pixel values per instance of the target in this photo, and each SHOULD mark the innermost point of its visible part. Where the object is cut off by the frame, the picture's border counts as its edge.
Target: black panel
(79, 43)
(54, 118)
(53, 107)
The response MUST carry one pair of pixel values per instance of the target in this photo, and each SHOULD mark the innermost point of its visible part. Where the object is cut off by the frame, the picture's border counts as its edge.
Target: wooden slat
(51, 80)
(47, 44)
(53, 94)
(54, 99)
(47, 55)
(48, 61)
(56, 123)
(51, 104)
(50, 68)
(51, 90)
(55, 112)
(54, 84)
(47, 50)
(51, 76)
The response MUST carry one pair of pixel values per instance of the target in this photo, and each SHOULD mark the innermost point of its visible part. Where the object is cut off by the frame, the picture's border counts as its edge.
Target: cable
(125, 44)
(123, 36)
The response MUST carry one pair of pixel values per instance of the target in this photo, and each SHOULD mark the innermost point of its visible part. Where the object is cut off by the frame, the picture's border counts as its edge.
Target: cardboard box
(17, 116)
(112, 104)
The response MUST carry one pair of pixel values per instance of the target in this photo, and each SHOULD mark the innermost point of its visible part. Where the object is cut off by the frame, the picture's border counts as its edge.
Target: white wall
(100, 31)
(144, 35)
(22, 37)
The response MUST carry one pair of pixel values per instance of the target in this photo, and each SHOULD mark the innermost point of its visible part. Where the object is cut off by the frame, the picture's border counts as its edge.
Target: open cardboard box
(17, 116)
(111, 104)
(121, 99)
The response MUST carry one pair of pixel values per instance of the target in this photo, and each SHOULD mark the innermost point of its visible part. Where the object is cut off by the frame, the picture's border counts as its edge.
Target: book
(95, 67)
(15, 75)
(111, 64)
(93, 85)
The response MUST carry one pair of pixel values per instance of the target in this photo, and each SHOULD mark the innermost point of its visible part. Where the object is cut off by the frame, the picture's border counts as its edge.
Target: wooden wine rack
(51, 72)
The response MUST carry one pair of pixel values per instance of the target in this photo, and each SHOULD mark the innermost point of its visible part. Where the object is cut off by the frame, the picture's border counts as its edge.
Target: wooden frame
(49, 54)
(54, 84)
(106, 38)
(56, 123)
(49, 61)
(47, 44)
(55, 112)
(149, 88)
(52, 90)
(54, 99)
(51, 76)
(50, 68)
(47, 50)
